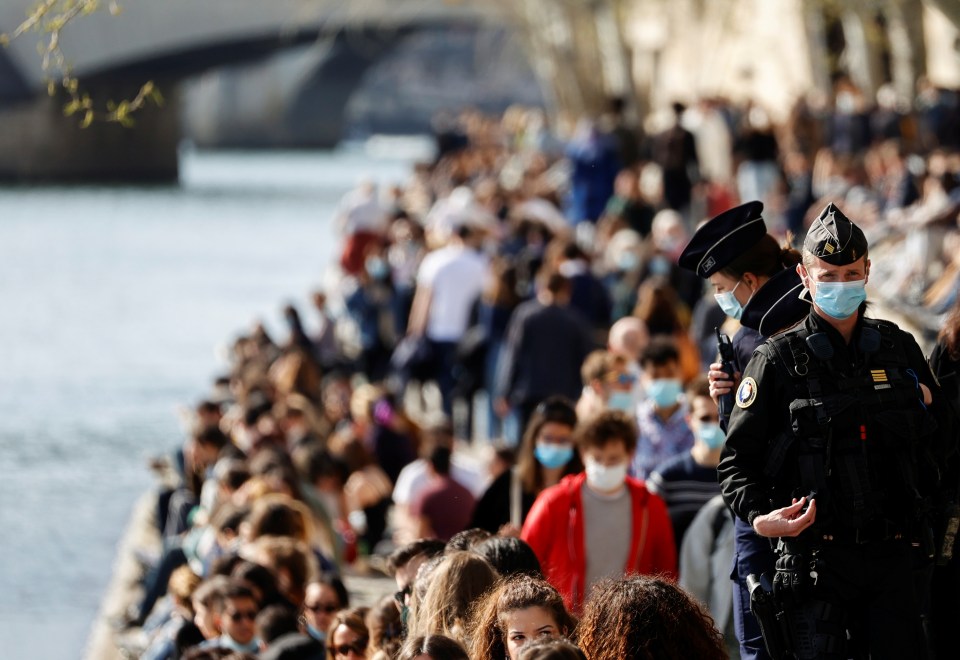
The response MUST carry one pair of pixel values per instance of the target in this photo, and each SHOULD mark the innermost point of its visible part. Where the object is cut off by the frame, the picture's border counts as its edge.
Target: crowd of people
(505, 393)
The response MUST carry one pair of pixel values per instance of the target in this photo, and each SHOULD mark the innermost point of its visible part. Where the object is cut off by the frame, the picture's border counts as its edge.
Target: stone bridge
(170, 40)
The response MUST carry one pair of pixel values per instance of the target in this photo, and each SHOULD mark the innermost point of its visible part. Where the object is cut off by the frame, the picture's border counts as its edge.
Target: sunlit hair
(646, 619)
(385, 627)
(519, 592)
(460, 580)
(354, 620)
(950, 333)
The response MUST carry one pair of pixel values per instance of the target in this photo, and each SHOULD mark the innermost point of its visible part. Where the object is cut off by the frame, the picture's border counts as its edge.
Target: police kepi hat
(722, 239)
(777, 304)
(834, 238)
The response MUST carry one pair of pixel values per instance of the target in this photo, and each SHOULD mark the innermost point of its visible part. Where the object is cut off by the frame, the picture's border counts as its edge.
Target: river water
(112, 304)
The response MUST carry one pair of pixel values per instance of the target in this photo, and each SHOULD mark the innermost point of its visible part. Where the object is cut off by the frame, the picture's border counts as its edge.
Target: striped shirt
(685, 486)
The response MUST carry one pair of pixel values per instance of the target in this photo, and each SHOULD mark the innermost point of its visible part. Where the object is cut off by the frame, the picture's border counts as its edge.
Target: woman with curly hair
(519, 610)
(646, 618)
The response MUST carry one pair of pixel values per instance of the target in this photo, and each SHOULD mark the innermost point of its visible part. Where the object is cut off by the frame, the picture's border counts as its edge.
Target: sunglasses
(320, 607)
(622, 378)
(239, 616)
(358, 647)
(401, 596)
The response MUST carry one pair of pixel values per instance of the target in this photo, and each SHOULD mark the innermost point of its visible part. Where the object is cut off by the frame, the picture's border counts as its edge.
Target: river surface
(113, 302)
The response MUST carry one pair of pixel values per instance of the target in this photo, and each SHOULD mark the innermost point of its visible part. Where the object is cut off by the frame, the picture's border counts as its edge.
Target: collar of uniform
(816, 323)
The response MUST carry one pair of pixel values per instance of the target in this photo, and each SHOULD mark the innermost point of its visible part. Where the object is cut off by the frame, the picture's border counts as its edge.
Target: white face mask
(604, 478)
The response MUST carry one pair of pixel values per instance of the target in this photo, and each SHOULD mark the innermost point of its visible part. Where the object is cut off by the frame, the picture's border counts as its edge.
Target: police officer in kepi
(756, 282)
(828, 456)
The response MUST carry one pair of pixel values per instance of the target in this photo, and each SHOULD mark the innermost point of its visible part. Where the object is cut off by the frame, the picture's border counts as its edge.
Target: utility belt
(874, 532)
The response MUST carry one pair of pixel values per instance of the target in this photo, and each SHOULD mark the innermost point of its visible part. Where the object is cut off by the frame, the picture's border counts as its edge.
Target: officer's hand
(788, 521)
(721, 382)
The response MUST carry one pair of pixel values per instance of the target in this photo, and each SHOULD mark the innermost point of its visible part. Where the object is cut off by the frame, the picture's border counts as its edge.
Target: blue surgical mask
(711, 435)
(729, 303)
(551, 455)
(377, 268)
(622, 401)
(659, 265)
(319, 635)
(840, 299)
(664, 392)
(628, 261)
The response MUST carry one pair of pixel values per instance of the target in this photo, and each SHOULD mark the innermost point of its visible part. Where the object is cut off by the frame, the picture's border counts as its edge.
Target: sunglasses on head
(358, 647)
(239, 616)
(321, 607)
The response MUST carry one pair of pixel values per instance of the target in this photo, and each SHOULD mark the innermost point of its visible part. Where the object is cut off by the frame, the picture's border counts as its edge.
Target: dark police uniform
(814, 414)
(775, 306)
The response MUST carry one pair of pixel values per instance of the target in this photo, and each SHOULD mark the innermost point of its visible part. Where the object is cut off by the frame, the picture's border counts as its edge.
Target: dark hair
(660, 351)
(402, 555)
(233, 473)
(211, 436)
(276, 516)
(515, 593)
(950, 333)
(466, 539)
(557, 410)
(648, 619)
(275, 621)
(261, 578)
(187, 637)
(236, 588)
(440, 460)
(556, 283)
(606, 427)
(509, 556)
(438, 647)
(551, 648)
(766, 258)
(335, 583)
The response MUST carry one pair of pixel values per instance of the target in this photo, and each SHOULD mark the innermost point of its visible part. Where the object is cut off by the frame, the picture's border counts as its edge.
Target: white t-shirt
(413, 478)
(456, 277)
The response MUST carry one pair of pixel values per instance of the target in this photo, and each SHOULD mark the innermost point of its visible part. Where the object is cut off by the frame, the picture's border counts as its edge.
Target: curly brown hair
(647, 618)
(608, 426)
(518, 592)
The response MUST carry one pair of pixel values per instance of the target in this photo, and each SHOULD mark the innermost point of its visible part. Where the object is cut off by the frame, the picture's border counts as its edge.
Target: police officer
(756, 282)
(826, 451)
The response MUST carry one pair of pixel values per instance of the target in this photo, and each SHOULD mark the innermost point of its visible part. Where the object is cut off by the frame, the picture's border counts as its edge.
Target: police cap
(834, 238)
(722, 239)
(777, 304)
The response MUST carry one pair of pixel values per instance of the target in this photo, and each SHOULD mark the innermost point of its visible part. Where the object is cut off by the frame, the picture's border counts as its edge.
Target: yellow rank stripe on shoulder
(878, 375)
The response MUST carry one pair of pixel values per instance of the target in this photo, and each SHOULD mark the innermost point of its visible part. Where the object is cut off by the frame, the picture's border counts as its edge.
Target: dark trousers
(867, 589)
(155, 584)
(444, 361)
(753, 555)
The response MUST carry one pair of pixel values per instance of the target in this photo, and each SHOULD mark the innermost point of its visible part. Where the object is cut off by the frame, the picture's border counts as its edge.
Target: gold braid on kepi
(834, 238)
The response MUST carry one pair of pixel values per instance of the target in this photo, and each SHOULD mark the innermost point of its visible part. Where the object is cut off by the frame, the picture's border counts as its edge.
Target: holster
(771, 616)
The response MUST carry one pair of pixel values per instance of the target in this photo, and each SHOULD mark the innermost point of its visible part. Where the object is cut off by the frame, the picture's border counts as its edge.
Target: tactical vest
(855, 431)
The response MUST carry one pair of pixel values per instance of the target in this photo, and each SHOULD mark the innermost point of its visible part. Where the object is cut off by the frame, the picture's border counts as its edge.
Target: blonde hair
(460, 580)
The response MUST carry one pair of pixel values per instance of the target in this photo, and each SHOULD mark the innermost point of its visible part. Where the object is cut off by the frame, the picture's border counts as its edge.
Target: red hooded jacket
(554, 529)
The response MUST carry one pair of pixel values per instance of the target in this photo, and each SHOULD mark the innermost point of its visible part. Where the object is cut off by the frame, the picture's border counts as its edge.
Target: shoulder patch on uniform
(747, 392)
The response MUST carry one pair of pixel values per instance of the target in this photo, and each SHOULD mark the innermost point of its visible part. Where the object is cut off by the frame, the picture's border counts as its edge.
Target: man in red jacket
(579, 528)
